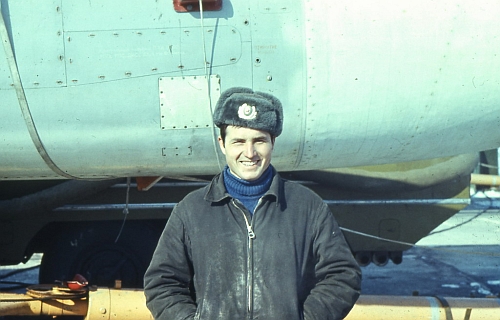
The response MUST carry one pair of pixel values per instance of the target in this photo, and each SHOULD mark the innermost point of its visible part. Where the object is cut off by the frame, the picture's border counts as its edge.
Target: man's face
(248, 151)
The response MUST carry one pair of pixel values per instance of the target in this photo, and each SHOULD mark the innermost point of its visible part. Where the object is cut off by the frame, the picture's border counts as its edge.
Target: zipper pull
(251, 234)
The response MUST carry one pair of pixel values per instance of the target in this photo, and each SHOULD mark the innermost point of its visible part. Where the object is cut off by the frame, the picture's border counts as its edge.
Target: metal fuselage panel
(361, 84)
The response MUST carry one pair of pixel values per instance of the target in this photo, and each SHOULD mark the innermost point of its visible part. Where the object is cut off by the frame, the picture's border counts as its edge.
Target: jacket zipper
(251, 236)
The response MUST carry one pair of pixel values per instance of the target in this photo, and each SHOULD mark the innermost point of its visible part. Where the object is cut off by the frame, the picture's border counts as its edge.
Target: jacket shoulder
(193, 201)
(296, 191)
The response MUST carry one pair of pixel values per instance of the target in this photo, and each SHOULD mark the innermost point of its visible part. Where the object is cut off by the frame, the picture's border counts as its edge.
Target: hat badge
(247, 112)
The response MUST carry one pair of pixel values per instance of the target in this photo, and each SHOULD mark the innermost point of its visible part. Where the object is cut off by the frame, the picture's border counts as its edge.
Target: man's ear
(221, 145)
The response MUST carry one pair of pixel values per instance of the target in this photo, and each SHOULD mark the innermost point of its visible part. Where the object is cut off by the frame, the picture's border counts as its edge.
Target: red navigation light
(194, 5)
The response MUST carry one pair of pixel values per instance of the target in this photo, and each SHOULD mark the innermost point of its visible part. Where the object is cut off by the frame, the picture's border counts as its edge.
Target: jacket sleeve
(166, 281)
(337, 273)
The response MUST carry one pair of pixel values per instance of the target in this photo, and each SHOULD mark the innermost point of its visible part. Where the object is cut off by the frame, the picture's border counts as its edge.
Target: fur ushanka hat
(243, 107)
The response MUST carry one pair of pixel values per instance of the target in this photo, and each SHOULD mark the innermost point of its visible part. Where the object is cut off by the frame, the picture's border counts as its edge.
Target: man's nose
(249, 150)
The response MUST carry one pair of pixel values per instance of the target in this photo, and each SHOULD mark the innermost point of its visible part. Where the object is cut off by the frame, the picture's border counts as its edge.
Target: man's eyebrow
(263, 137)
(260, 137)
(237, 139)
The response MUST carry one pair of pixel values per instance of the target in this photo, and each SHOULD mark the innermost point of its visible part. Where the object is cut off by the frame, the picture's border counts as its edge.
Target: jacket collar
(216, 190)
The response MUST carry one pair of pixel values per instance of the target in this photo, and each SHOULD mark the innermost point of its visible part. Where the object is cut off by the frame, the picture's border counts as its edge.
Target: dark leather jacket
(289, 261)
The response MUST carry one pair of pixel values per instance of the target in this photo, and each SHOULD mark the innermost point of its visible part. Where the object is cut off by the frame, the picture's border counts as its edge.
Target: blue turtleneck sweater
(248, 192)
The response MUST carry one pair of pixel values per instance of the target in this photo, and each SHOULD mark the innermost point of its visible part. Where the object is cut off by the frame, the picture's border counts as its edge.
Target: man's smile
(250, 163)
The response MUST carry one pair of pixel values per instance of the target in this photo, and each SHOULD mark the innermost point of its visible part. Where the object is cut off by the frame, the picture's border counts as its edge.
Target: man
(251, 245)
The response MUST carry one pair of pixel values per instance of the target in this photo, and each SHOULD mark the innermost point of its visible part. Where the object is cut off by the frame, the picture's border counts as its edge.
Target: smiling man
(251, 245)
(248, 151)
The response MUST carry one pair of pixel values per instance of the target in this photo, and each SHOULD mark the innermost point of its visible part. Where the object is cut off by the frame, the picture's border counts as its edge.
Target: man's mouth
(249, 163)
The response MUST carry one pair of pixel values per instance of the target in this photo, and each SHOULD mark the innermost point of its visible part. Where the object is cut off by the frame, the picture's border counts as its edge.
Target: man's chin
(251, 175)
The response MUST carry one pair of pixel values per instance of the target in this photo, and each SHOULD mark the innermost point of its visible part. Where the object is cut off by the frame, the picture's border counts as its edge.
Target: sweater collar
(216, 190)
(239, 187)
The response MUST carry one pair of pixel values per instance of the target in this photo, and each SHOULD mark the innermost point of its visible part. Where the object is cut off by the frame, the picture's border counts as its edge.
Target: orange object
(78, 283)
(145, 183)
